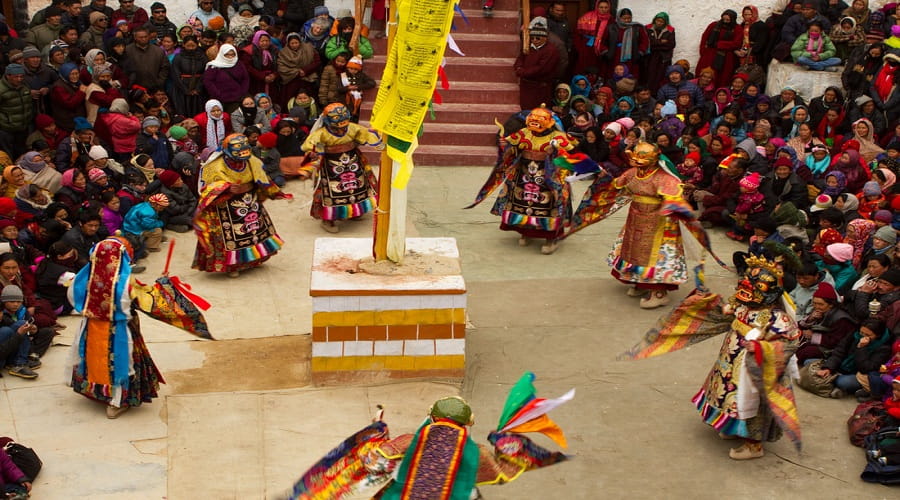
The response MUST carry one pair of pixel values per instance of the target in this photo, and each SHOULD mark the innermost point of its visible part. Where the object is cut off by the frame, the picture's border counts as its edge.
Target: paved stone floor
(238, 419)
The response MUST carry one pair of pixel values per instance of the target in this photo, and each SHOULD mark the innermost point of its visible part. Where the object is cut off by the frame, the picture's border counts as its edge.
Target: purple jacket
(9, 473)
(227, 84)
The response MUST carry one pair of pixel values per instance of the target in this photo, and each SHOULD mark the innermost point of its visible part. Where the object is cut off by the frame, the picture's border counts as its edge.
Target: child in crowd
(750, 204)
(19, 335)
(142, 223)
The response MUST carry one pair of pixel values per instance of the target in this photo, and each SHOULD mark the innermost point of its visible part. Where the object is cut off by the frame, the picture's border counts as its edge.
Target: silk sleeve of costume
(623, 180)
(783, 327)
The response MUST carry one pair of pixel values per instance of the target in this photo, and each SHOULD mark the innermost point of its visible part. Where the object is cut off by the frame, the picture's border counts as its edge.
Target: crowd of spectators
(106, 114)
(808, 180)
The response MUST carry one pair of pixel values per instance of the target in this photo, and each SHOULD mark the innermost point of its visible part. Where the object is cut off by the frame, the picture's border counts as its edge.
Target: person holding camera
(19, 335)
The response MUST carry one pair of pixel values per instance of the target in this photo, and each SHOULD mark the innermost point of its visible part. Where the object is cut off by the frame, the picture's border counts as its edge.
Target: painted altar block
(376, 321)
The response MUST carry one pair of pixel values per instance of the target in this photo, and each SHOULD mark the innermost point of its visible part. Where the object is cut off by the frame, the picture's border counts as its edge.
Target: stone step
(500, 69)
(456, 134)
(450, 156)
(473, 7)
(459, 112)
(473, 44)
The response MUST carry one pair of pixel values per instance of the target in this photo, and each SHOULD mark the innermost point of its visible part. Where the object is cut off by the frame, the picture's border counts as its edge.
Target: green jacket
(798, 49)
(336, 45)
(16, 107)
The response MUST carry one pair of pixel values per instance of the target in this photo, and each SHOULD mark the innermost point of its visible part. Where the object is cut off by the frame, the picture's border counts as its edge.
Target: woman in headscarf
(831, 98)
(861, 68)
(259, 58)
(858, 233)
(298, 66)
(717, 46)
(562, 94)
(884, 88)
(13, 179)
(111, 362)
(246, 115)
(848, 165)
(214, 124)
(187, 78)
(720, 102)
(100, 93)
(662, 44)
(800, 114)
(266, 108)
(818, 160)
(225, 80)
(243, 23)
(859, 11)
(628, 42)
(67, 97)
(804, 141)
(833, 127)
(36, 172)
(31, 201)
(580, 85)
(123, 128)
(95, 60)
(72, 193)
(865, 135)
(591, 38)
(755, 40)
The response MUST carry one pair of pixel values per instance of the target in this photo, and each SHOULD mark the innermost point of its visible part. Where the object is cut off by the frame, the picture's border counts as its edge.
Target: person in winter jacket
(814, 50)
(340, 42)
(859, 354)
(122, 128)
(143, 221)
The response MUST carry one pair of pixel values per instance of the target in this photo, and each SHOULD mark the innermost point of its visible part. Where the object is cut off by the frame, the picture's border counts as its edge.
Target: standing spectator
(676, 84)
(846, 36)
(206, 12)
(100, 93)
(718, 44)
(85, 21)
(41, 35)
(187, 78)
(68, 97)
(591, 38)
(39, 77)
(159, 22)
(755, 43)
(259, 59)
(558, 24)
(145, 64)
(662, 44)
(92, 37)
(225, 80)
(242, 24)
(331, 79)
(317, 36)
(628, 42)
(136, 17)
(535, 81)
(16, 110)
(179, 215)
(122, 127)
(298, 66)
(798, 24)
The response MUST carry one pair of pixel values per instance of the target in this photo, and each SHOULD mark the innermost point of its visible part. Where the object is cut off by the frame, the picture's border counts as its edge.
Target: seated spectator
(31, 201)
(76, 145)
(54, 274)
(846, 36)
(13, 481)
(142, 223)
(15, 336)
(720, 200)
(72, 193)
(838, 260)
(214, 124)
(38, 173)
(98, 183)
(179, 214)
(858, 355)
(765, 231)
(331, 79)
(109, 213)
(153, 143)
(47, 131)
(247, 114)
(352, 84)
(751, 205)
(825, 326)
(83, 236)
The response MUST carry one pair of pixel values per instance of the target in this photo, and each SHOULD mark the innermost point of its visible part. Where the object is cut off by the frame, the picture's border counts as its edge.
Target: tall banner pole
(385, 170)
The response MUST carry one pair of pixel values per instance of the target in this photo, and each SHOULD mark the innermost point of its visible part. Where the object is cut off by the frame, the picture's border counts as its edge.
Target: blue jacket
(141, 218)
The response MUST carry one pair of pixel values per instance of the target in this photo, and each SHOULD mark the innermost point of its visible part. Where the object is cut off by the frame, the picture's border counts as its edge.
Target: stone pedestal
(807, 83)
(370, 325)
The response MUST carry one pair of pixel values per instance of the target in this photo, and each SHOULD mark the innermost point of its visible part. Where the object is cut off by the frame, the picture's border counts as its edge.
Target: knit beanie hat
(95, 16)
(669, 108)
(320, 10)
(892, 276)
(826, 291)
(30, 52)
(626, 123)
(268, 140)
(784, 162)
(95, 174)
(15, 69)
(177, 132)
(43, 121)
(694, 155)
(886, 233)
(12, 293)
(871, 188)
(81, 123)
(883, 216)
(150, 121)
(159, 199)
(841, 252)
(750, 181)
(355, 62)
(169, 177)
(98, 153)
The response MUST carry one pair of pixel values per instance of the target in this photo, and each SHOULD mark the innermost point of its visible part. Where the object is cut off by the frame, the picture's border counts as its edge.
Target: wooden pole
(386, 168)
(526, 18)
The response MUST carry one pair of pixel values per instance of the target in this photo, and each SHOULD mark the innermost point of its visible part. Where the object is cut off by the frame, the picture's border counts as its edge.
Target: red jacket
(123, 131)
(202, 119)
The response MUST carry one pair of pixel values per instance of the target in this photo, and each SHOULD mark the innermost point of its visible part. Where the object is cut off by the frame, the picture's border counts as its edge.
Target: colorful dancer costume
(648, 253)
(440, 461)
(234, 231)
(748, 393)
(345, 184)
(535, 199)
